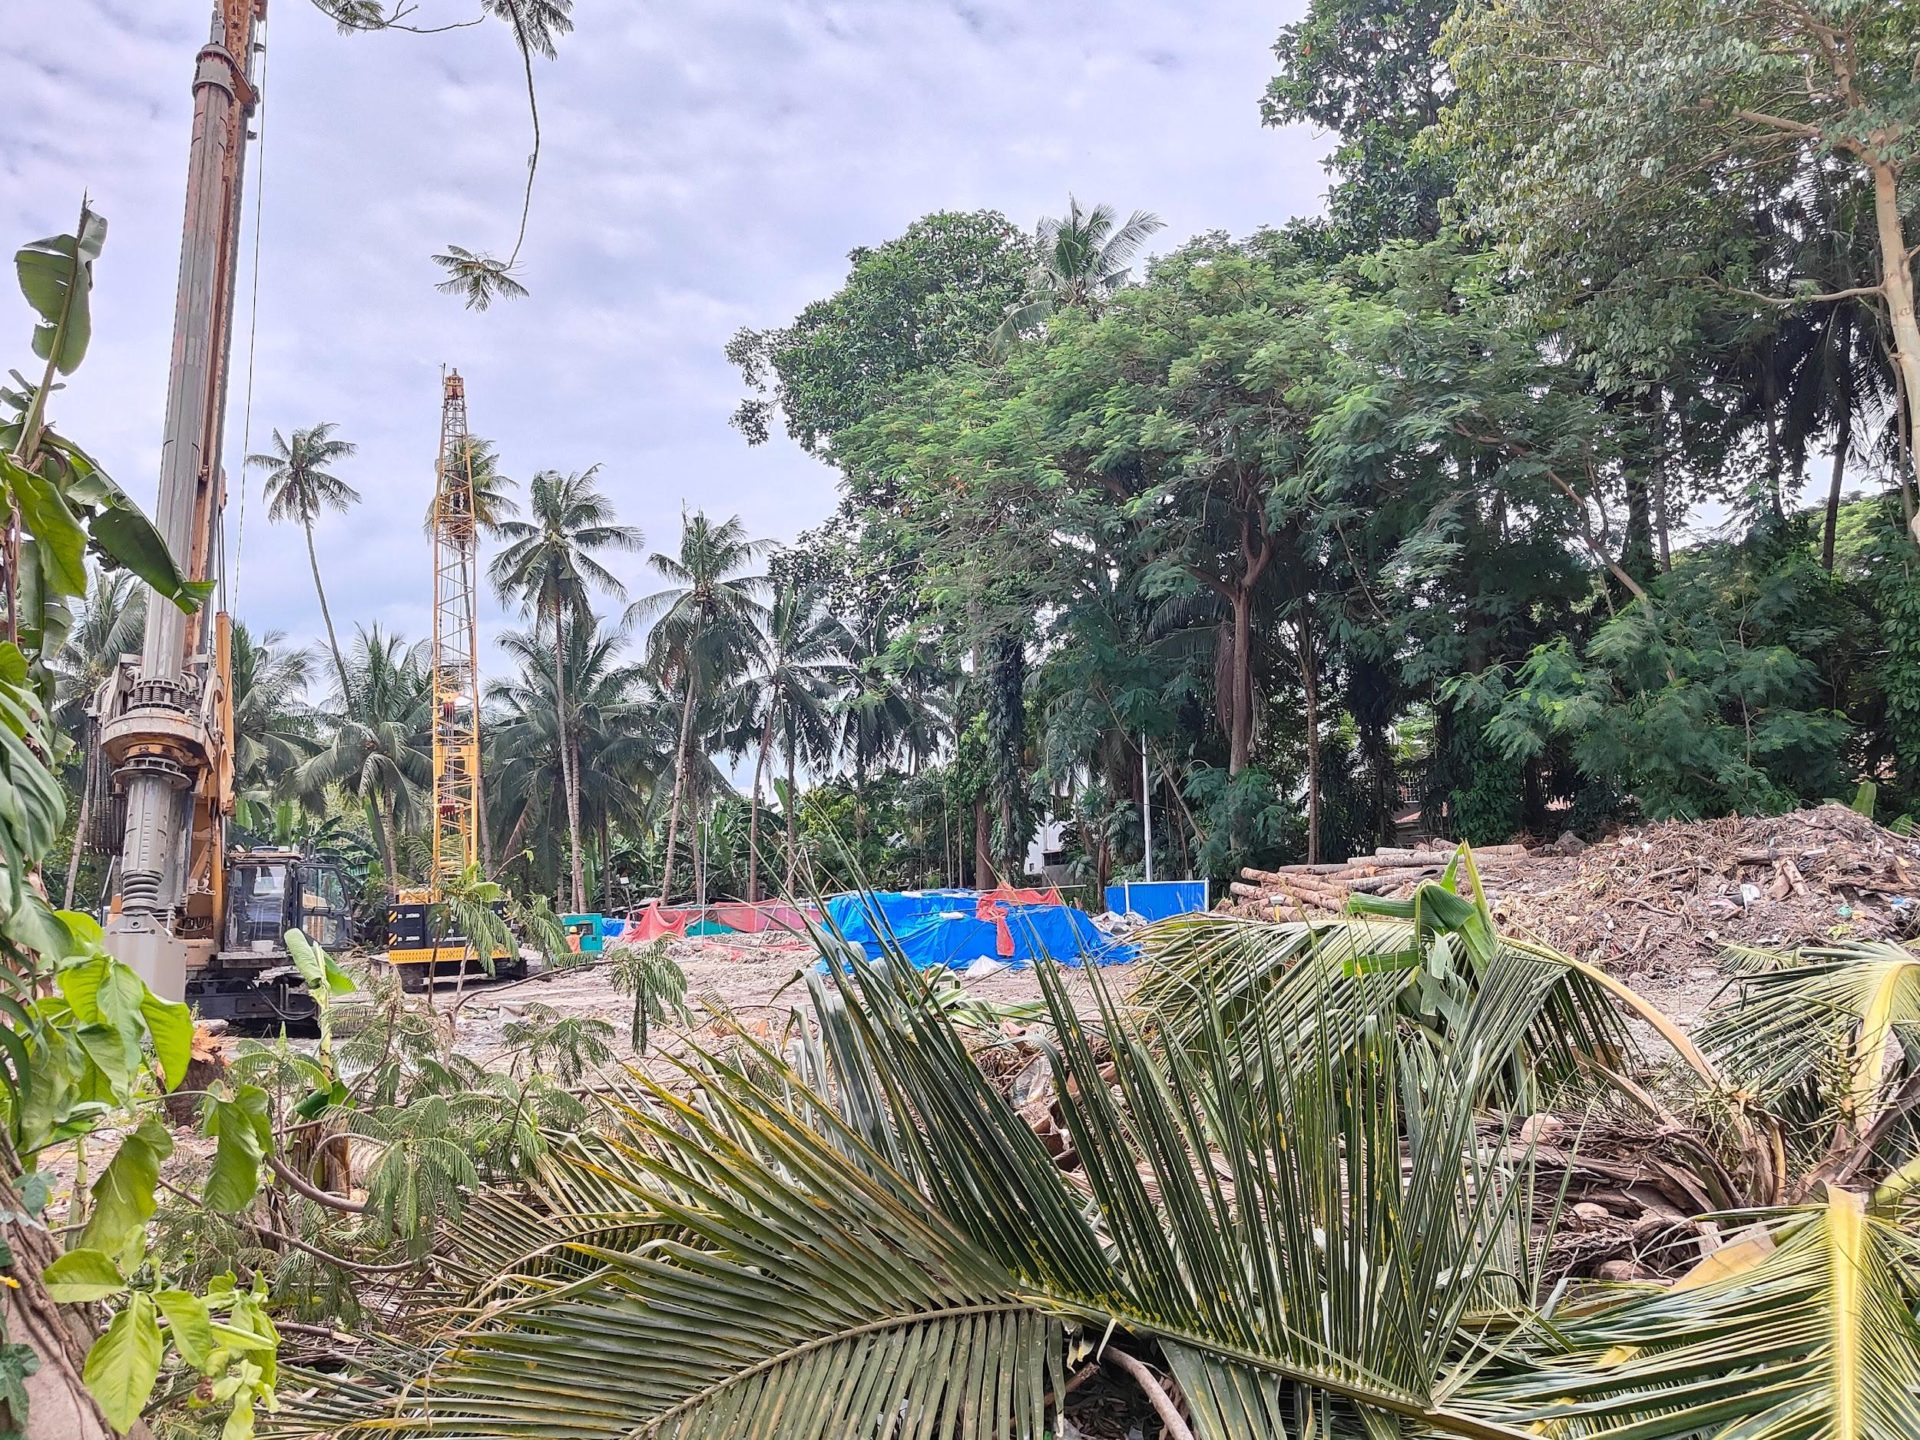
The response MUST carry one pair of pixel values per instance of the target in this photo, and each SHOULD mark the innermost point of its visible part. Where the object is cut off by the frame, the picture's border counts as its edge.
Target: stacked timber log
(1294, 892)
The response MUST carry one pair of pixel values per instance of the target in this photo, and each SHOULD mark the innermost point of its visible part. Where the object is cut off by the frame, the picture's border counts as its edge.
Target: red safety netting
(752, 919)
(650, 922)
(993, 905)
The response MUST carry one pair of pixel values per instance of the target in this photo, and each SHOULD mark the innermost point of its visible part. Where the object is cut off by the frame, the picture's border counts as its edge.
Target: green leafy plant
(1701, 700)
(569, 1045)
(658, 987)
(87, 1045)
(64, 505)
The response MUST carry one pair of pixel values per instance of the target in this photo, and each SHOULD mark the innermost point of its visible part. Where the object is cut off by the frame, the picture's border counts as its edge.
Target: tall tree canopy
(931, 296)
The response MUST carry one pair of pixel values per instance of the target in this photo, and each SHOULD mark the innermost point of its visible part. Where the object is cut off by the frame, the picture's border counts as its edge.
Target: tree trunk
(1006, 725)
(59, 1406)
(982, 847)
(513, 839)
(569, 782)
(606, 865)
(573, 759)
(753, 822)
(1310, 695)
(702, 833)
(793, 822)
(1770, 396)
(1842, 443)
(80, 820)
(1660, 471)
(1636, 550)
(326, 616)
(1897, 272)
(679, 786)
(1240, 695)
(390, 843)
(370, 807)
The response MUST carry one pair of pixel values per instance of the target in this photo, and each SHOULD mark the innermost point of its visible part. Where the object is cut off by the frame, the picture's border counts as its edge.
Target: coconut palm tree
(891, 707)
(108, 626)
(275, 730)
(618, 731)
(547, 567)
(380, 749)
(493, 500)
(800, 663)
(1080, 258)
(299, 486)
(477, 277)
(705, 627)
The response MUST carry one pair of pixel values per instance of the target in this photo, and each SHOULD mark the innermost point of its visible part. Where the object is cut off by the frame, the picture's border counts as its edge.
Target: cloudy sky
(706, 165)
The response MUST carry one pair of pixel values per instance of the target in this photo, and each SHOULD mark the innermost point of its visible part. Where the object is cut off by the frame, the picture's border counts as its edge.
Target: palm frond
(887, 1239)
(1807, 1333)
(477, 278)
(1822, 1037)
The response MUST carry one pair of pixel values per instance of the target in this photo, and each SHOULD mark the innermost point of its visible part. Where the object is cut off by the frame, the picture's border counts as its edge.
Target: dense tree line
(1561, 472)
(1486, 496)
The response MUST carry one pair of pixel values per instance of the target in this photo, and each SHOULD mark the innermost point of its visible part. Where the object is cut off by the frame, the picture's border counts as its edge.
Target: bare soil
(754, 979)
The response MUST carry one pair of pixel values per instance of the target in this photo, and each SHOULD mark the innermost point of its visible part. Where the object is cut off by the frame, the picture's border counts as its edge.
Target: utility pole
(1146, 801)
(166, 722)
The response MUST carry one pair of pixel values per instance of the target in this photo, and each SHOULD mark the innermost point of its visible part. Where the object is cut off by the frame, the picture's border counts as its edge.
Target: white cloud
(704, 167)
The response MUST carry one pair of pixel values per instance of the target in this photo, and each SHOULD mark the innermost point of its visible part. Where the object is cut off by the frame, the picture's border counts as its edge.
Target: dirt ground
(758, 980)
(755, 978)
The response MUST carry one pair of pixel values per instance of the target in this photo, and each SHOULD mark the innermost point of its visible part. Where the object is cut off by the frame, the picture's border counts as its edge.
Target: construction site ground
(753, 978)
(1657, 905)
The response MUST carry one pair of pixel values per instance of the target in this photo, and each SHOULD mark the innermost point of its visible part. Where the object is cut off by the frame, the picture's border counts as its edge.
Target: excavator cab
(251, 978)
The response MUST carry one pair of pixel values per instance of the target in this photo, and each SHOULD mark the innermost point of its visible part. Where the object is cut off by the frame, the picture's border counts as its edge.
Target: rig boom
(456, 673)
(166, 723)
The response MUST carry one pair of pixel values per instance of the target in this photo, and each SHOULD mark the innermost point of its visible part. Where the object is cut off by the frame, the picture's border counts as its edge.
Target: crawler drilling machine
(419, 943)
(197, 921)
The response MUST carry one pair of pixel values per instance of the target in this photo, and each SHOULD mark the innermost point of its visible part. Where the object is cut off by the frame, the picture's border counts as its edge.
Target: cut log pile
(1654, 897)
(1296, 892)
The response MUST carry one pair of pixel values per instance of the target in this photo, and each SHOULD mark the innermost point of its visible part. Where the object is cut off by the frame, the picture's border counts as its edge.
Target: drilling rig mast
(456, 672)
(421, 940)
(166, 723)
(193, 920)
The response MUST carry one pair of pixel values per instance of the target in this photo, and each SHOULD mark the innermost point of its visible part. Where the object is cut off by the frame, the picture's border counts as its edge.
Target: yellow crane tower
(456, 672)
(411, 923)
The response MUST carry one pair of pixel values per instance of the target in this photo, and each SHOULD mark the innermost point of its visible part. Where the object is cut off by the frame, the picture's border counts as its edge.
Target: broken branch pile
(1663, 896)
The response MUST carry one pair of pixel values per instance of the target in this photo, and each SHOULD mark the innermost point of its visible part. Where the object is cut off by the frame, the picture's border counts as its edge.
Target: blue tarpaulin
(1157, 899)
(941, 927)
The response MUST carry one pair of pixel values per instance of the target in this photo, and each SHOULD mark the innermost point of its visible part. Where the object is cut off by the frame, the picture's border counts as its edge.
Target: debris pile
(1620, 1198)
(1654, 896)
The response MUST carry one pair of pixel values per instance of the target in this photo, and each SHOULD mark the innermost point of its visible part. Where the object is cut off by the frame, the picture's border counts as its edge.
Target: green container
(589, 930)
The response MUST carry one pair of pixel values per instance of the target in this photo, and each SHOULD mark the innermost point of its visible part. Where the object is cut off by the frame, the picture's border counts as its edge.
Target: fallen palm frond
(1828, 1039)
(1417, 962)
(891, 1244)
(1803, 1329)
(1296, 1189)
(1289, 979)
